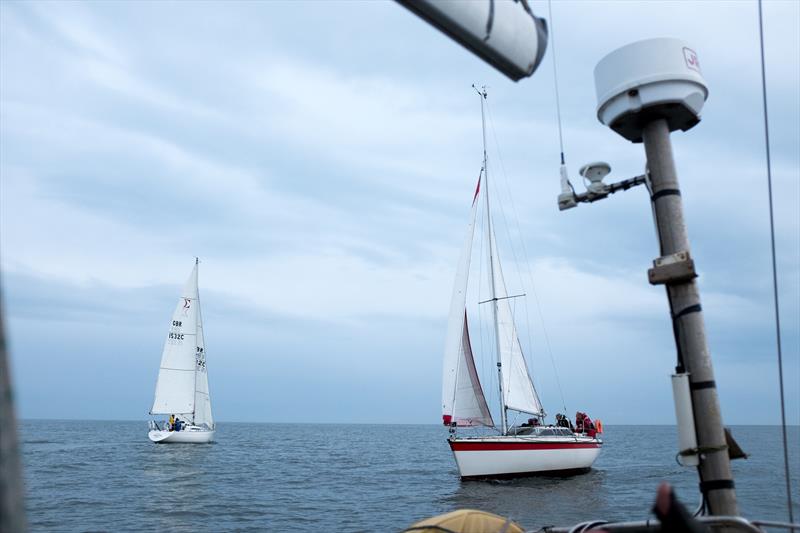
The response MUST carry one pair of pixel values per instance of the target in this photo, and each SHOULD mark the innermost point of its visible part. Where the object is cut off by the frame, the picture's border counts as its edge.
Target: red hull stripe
(489, 446)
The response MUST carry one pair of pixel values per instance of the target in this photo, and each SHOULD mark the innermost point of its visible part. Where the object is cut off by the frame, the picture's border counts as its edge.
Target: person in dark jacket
(563, 422)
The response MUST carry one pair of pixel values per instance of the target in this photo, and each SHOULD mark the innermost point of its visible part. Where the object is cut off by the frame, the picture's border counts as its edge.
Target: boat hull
(505, 457)
(190, 435)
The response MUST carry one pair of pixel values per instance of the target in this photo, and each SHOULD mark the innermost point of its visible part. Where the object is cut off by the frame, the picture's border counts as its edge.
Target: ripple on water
(344, 478)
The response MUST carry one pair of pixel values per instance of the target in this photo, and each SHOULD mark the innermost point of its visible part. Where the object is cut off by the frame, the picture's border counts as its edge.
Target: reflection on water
(556, 500)
(175, 480)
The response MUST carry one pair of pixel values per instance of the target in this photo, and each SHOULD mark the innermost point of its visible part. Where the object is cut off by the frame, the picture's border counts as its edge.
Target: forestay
(176, 385)
(463, 401)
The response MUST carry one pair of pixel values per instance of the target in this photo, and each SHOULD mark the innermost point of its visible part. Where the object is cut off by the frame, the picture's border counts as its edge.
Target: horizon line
(329, 423)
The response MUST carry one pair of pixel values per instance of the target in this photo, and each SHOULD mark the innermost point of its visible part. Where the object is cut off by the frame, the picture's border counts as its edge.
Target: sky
(320, 157)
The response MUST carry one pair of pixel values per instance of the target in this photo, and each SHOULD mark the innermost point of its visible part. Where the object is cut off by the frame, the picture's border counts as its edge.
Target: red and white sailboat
(515, 451)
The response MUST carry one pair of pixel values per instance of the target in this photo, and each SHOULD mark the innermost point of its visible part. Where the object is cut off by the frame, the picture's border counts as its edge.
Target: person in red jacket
(588, 426)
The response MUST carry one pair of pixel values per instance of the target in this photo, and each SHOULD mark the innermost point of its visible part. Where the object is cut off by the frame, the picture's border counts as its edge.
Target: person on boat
(579, 422)
(532, 422)
(178, 424)
(563, 422)
(588, 426)
(171, 425)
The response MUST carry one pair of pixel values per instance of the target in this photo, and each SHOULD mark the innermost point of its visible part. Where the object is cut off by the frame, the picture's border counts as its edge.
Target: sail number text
(173, 336)
(200, 358)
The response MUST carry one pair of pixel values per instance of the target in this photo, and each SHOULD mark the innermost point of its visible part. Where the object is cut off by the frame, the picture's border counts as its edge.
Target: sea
(107, 476)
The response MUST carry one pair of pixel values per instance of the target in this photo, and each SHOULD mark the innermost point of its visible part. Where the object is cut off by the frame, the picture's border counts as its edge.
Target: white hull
(190, 435)
(514, 456)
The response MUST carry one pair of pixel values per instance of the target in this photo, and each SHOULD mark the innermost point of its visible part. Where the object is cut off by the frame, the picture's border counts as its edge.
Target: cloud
(321, 162)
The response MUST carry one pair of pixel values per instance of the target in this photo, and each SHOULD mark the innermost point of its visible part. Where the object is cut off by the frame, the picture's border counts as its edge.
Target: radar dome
(646, 80)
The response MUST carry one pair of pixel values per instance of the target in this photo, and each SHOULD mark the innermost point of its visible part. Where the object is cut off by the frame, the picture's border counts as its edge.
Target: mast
(197, 321)
(493, 288)
(683, 294)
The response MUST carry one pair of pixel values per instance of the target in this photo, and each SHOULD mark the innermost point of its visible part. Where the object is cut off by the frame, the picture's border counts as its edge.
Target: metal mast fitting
(646, 90)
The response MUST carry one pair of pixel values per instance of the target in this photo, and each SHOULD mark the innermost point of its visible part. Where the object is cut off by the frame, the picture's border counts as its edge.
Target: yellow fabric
(466, 521)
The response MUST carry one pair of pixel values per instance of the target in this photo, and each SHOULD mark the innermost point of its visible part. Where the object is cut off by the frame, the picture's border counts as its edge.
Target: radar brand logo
(691, 59)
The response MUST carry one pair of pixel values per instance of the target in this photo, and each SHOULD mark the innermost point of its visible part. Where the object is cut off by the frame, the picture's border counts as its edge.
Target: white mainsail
(463, 401)
(518, 391)
(182, 386)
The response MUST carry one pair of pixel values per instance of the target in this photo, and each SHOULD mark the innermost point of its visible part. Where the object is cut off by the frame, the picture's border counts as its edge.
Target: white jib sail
(518, 391)
(175, 388)
(463, 401)
(202, 399)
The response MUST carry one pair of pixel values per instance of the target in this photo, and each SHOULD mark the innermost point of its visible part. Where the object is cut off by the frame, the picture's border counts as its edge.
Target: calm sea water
(83, 476)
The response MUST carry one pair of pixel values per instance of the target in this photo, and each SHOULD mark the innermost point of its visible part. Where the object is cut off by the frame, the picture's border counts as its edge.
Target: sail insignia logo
(691, 59)
(187, 303)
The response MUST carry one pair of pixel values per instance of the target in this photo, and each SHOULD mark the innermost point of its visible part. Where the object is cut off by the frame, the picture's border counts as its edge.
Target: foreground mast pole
(645, 90)
(12, 491)
(690, 336)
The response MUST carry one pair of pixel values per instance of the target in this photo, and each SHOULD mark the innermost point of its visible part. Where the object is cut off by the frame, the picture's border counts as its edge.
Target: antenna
(636, 84)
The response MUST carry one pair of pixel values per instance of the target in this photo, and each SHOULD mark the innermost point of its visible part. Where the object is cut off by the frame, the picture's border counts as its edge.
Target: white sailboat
(516, 451)
(182, 385)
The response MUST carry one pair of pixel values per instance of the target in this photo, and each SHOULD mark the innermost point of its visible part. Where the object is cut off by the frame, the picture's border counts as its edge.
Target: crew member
(563, 422)
(588, 426)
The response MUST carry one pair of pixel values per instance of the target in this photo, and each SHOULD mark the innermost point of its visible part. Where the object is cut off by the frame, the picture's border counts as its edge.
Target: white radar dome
(646, 80)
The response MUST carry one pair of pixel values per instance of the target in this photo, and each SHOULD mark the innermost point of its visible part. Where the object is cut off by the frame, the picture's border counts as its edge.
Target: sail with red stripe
(463, 401)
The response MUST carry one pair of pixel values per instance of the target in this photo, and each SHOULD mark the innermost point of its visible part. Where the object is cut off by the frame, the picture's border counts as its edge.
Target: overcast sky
(320, 158)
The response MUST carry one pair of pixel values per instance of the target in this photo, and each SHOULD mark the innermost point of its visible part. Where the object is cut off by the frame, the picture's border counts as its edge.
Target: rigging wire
(511, 333)
(506, 225)
(481, 326)
(774, 266)
(527, 264)
(488, 355)
(555, 80)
